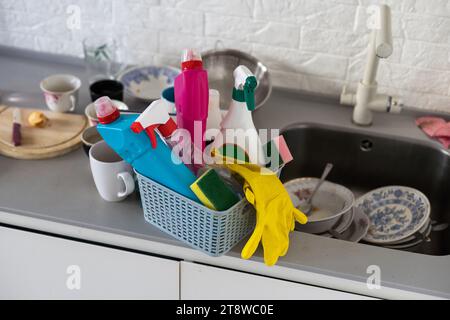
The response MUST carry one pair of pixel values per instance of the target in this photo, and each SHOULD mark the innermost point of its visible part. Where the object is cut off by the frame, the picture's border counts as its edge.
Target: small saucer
(357, 230)
(415, 236)
(414, 242)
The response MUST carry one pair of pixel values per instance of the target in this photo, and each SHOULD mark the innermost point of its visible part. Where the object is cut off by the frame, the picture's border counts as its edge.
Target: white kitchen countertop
(58, 196)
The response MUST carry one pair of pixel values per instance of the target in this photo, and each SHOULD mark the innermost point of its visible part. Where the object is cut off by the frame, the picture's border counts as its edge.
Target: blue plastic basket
(213, 232)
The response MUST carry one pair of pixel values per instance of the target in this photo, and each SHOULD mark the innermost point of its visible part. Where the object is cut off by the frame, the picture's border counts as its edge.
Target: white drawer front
(34, 266)
(204, 282)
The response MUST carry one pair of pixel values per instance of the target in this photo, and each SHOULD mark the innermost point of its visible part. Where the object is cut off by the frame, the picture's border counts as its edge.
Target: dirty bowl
(89, 137)
(147, 82)
(329, 204)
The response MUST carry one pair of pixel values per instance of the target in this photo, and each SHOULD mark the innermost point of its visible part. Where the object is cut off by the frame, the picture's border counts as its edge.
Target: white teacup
(61, 92)
(113, 177)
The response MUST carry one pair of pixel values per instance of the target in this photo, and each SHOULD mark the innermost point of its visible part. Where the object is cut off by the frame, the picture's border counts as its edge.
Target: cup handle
(128, 181)
(72, 101)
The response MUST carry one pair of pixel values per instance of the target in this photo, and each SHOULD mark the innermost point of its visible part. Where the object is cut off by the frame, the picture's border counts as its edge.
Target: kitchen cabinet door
(205, 282)
(35, 266)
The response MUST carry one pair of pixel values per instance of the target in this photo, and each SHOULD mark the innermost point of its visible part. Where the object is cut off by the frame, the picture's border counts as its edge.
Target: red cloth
(436, 128)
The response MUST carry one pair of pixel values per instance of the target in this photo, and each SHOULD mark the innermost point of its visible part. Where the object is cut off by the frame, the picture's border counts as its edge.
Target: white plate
(422, 230)
(147, 82)
(413, 242)
(395, 213)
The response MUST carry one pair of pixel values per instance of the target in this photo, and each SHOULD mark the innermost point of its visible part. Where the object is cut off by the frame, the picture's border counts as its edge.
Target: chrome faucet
(366, 100)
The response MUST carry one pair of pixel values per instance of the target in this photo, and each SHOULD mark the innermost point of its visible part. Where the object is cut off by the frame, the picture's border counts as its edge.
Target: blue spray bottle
(147, 154)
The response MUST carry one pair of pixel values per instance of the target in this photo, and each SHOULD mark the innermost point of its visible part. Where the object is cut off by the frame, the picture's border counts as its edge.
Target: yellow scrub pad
(213, 192)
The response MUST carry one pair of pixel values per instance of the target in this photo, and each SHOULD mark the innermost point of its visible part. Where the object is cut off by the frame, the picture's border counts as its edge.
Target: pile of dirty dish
(399, 217)
(332, 212)
(395, 217)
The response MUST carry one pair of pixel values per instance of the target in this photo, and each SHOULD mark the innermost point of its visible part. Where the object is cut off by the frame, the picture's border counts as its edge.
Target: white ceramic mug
(61, 92)
(113, 177)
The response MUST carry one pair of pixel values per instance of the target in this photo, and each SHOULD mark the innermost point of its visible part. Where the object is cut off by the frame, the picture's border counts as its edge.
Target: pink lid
(191, 59)
(190, 55)
(105, 109)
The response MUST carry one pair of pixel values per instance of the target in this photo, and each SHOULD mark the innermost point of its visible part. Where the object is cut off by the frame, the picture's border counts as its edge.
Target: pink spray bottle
(192, 97)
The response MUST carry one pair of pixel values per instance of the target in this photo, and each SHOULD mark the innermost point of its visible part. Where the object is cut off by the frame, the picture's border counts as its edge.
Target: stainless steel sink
(364, 161)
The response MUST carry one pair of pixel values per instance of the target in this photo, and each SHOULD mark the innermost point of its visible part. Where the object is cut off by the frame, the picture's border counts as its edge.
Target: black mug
(110, 88)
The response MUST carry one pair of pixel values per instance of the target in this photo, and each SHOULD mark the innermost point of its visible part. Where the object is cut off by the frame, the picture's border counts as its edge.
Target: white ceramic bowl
(329, 204)
(147, 82)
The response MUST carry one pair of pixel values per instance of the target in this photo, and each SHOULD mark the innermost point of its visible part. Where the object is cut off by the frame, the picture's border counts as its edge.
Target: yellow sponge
(213, 192)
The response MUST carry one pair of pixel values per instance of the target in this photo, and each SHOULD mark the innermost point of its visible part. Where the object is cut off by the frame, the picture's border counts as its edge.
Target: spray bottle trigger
(249, 92)
(150, 130)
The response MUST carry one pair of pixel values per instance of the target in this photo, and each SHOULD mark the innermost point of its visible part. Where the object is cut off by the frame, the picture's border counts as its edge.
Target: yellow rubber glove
(275, 213)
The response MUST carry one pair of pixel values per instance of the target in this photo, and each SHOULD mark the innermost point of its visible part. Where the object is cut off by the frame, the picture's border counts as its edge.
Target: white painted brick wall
(307, 44)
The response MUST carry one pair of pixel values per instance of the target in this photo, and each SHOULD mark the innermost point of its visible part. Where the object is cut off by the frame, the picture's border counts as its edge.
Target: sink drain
(366, 145)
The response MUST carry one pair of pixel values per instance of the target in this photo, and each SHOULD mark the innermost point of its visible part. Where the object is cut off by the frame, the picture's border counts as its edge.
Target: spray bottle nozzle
(249, 92)
(244, 86)
(155, 117)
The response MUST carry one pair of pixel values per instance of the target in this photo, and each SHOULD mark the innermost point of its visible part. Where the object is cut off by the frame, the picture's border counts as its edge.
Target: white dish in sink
(357, 229)
(395, 213)
(328, 205)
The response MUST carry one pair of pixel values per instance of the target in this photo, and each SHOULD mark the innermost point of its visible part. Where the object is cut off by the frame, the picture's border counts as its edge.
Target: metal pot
(220, 64)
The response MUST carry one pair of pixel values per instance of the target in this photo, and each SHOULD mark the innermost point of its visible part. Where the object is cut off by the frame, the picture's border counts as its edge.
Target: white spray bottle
(242, 142)
(156, 118)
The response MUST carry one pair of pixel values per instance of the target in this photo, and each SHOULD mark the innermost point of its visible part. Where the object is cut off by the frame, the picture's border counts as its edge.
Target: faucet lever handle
(396, 105)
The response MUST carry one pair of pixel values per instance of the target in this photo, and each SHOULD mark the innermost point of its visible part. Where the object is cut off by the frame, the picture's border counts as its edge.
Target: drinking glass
(100, 56)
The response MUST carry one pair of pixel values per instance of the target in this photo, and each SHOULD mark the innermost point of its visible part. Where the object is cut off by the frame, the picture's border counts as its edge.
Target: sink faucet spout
(367, 100)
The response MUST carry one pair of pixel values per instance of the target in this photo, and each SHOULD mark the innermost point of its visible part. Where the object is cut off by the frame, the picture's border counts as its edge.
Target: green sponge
(213, 192)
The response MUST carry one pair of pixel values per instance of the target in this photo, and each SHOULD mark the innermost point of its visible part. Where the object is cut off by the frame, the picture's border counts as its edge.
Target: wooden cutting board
(61, 134)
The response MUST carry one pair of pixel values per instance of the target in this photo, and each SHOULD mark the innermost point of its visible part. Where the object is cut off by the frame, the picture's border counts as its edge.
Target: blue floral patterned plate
(394, 212)
(148, 82)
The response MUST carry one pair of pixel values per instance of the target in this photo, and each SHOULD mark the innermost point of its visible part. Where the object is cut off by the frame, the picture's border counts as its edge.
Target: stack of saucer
(351, 227)
(399, 216)
(333, 213)
(420, 236)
